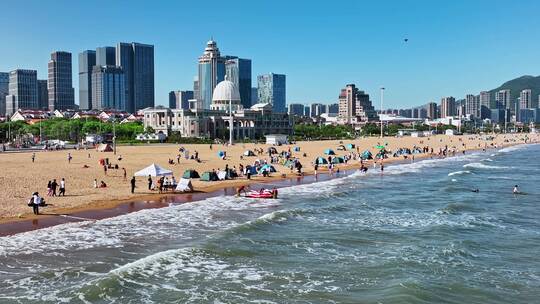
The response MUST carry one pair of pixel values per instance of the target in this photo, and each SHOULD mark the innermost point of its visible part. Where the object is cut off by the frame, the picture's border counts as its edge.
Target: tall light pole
(114, 135)
(380, 116)
(230, 123)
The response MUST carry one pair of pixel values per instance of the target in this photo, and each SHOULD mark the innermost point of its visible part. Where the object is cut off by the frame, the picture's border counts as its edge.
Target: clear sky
(454, 48)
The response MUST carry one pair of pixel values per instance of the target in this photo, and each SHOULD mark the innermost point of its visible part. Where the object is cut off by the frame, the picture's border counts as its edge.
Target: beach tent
(350, 146)
(191, 174)
(184, 185)
(249, 153)
(367, 155)
(288, 163)
(153, 170)
(341, 148)
(252, 170)
(329, 152)
(272, 150)
(104, 148)
(209, 176)
(221, 154)
(268, 168)
(338, 160)
(222, 175)
(296, 149)
(321, 161)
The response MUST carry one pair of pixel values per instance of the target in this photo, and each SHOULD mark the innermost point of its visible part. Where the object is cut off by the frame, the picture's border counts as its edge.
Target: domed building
(225, 94)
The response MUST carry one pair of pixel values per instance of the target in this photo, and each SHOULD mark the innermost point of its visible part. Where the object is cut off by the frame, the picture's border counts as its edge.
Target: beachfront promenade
(21, 177)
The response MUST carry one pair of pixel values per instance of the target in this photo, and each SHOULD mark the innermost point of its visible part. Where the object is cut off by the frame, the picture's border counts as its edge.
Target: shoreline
(102, 209)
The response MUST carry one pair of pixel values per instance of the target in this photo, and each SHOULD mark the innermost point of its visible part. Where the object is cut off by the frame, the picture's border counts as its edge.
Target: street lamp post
(114, 136)
(230, 123)
(380, 117)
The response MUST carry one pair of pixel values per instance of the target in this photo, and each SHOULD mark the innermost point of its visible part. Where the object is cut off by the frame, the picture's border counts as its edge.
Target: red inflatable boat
(257, 194)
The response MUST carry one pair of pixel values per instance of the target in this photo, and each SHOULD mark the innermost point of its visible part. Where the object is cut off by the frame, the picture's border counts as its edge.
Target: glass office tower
(239, 72)
(87, 60)
(271, 89)
(211, 72)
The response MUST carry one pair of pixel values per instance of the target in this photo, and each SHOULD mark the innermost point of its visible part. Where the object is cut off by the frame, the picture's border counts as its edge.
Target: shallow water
(416, 234)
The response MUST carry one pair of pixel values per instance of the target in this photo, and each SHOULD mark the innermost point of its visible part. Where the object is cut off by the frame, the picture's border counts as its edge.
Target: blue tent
(220, 153)
(338, 160)
(350, 146)
(329, 152)
(367, 155)
(296, 149)
(252, 170)
(268, 168)
(321, 161)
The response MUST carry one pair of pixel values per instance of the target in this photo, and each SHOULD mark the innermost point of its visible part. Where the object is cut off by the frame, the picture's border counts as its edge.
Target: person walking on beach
(149, 182)
(125, 173)
(62, 187)
(35, 202)
(69, 158)
(33, 157)
(133, 184)
(54, 184)
(95, 183)
(49, 188)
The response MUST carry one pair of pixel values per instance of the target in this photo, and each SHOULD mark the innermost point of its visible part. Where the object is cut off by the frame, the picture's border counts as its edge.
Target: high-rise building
(60, 84)
(180, 99)
(43, 94)
(448, 107)
(105, 56)
(238, 71)
(472, 105)
(525, 99)
(502, 99)
(4, 91)
(332, 108)
(255, 96)
(296, 109)
(23, 91)
(87, 60)
(485, 99)
(431, 109)
(355, 106)
(307, 111)
(211, 72)
(316, 109)
(272, 89)
(137, 62)
(108, 88)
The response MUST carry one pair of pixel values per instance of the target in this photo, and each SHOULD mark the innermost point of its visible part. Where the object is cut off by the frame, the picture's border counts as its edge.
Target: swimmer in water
(516, 189)
(476, 190)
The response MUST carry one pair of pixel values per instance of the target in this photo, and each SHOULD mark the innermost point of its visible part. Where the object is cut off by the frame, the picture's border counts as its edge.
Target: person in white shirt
(62, 187)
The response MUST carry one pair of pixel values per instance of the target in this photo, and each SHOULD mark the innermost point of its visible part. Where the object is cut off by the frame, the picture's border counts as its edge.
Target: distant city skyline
(436, 61)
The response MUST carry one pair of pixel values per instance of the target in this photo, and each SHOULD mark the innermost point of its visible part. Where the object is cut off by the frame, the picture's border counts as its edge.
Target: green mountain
(517, 85)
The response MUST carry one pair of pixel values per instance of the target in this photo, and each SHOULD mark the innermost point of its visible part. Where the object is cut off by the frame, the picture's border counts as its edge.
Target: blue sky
(454, 48)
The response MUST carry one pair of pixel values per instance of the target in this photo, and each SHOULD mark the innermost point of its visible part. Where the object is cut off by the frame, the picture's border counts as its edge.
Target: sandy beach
(20, 177)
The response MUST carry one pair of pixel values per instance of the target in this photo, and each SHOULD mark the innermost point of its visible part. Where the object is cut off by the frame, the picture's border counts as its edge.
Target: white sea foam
(459, 172)
(512, 148)
(484, 166)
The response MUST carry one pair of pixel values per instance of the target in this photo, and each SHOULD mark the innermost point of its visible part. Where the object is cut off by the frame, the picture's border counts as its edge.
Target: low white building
(276, 139)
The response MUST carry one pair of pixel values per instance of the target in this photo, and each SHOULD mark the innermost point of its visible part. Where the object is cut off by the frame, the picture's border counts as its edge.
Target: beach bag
(31, 202)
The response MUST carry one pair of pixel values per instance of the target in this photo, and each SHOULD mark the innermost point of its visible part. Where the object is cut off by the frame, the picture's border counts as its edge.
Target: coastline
(102, 209)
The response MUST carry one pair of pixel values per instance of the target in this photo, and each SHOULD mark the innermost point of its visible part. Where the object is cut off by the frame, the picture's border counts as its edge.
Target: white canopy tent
(184, 185)
(154, 170)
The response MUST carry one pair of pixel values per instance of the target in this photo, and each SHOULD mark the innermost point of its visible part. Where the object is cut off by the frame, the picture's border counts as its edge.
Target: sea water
(415, 234)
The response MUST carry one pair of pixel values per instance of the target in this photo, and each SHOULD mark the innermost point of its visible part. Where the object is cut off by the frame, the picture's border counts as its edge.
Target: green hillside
(517, 85)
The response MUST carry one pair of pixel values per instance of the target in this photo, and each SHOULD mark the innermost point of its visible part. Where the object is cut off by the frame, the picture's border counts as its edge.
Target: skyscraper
(255, 96)
(296, 109)
(180, 99)
(502, 99)
(108, 88)
(43, 94)
(485, 99)
(525, 98)
(87, 60)
(137, 62)
(431, 109)
(105, 56)
(23, 91)
(60, 84)
(211, 72)
(316, 109)
(238, 71)
(355, 106)
(332, 108)
(472, 105)
(448, 107)
(4, 91)
(272, 90)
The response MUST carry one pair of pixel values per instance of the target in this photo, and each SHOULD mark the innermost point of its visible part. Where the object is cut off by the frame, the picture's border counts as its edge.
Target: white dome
(225, 91)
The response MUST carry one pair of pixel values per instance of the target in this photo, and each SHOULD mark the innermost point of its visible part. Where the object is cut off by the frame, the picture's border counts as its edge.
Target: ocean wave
(459, 172)
(484, 166)
(513, 148)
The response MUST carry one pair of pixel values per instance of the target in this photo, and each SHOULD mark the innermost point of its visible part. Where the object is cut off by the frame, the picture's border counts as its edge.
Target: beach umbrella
(321, 161)
(153, 170)
(329, 152)
(221, 154)
(338, 160)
